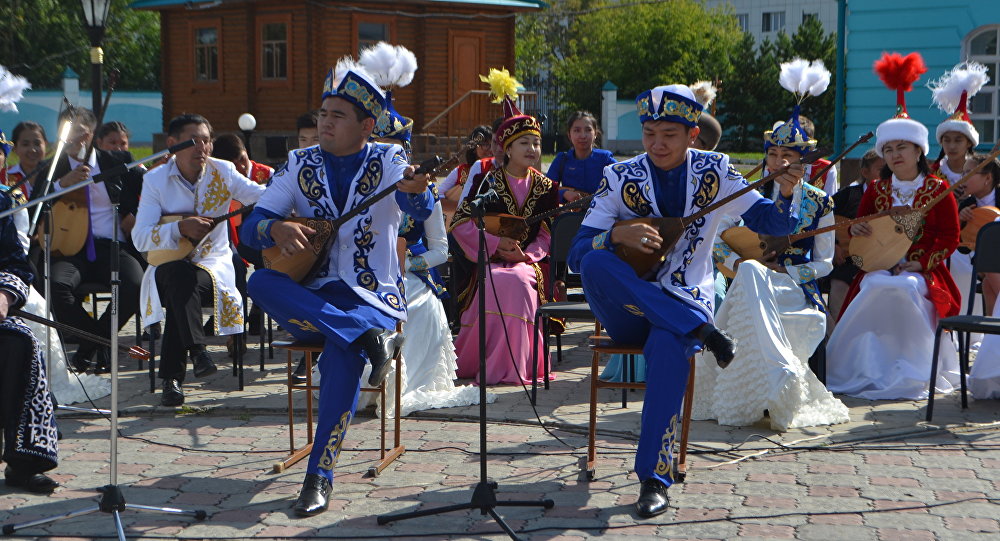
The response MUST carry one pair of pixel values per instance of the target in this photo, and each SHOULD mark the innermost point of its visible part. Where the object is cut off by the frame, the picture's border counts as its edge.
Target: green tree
(40, 38)
(641, 46)
(752, 100)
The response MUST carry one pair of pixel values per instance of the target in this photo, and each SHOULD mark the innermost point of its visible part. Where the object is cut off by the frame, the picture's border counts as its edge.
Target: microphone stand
(112, 499)
(484, 496)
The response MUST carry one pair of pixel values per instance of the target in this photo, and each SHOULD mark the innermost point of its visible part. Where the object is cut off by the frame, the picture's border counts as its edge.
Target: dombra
(185, 248)
(980, 217)
(518, 227)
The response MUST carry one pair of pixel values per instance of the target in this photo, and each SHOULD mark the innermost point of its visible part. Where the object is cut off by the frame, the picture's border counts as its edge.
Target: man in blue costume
(670, 316)
(355, 299)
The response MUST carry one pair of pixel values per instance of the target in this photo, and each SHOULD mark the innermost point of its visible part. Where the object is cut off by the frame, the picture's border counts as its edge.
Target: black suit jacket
(128, 185)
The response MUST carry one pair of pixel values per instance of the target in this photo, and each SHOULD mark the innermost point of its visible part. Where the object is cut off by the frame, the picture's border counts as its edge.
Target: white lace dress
(777, 330)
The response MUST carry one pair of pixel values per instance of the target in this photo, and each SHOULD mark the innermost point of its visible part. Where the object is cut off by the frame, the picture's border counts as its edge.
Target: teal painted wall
(933, 28)
(142, 112)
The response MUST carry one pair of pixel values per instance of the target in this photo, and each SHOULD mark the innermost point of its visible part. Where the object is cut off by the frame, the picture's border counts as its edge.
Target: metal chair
(94, 290)
(563, 230)
(986, 259)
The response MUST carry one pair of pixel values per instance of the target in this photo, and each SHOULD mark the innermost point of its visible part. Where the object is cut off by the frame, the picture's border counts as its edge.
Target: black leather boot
(172, 394)
(314, 498)
(381, 345)
(653, 499)
(719, 343)
(39, 483)
(203, 365)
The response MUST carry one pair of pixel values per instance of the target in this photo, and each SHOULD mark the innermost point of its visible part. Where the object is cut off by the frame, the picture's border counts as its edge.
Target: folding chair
(603, 345)
(563, 230)
(986, 259)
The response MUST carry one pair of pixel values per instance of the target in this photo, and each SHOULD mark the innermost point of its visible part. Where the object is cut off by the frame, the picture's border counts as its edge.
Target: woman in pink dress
(517, 268)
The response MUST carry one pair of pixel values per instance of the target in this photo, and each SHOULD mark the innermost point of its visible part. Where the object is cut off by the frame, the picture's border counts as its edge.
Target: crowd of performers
(377, 289)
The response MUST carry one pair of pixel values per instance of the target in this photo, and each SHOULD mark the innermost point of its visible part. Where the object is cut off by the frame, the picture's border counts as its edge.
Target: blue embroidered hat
(673, 103)
(789, 134)
(803, 79)
(5, 145)
(392, 125)
(350, 82)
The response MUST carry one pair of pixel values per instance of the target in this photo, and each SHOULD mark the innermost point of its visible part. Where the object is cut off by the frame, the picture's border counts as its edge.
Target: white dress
(777, 329)
(984, 377)
(881, 348)
(68, 388)
(428, 352)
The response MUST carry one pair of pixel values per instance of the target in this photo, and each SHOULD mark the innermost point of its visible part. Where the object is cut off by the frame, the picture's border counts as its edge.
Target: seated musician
(578, 171)
(845, 206)
(27, 414)
(515, 280)
(194, 184)
(354, 301)
(981, 191)
(773, 308)
(671, 316)
(881, 346)
(92, 262)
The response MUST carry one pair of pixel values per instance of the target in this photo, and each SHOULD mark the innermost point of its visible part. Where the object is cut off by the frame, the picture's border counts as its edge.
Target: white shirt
(100, 204)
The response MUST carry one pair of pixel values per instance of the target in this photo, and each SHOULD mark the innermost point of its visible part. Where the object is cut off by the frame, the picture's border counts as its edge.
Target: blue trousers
(634, 312)
(336, 316)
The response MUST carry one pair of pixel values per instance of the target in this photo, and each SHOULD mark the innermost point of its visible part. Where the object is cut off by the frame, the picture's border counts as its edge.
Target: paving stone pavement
(884, 475)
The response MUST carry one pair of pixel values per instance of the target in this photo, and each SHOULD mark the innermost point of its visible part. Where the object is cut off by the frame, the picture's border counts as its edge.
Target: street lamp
(95, 12)
(247, 124)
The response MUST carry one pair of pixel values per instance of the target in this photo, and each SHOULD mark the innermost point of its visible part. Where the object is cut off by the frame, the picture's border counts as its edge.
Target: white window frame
(993, 86)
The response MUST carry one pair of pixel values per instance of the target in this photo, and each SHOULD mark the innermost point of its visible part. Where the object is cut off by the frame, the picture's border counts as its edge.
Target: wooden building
(222, 58)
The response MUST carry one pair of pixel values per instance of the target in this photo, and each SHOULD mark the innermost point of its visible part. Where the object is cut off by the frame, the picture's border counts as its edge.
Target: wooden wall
(319, 36)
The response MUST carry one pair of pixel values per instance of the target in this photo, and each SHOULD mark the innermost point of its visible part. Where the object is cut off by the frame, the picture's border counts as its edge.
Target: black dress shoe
(80, 362)
(203, 365)
(313, 499)
(381, 345)
(719, 343)
(38, 483)
(103, 358)
(299, 375)
(653, 499)
(173, 396)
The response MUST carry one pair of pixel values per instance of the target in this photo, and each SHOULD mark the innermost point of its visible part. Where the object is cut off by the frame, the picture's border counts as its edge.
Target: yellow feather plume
(502, 84)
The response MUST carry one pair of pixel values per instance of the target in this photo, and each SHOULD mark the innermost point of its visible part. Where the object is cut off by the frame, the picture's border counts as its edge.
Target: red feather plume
(899, 72)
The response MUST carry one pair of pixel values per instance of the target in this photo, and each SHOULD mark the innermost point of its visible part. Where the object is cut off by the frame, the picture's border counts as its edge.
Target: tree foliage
(753, 100)
(39, 39)
(569, 50)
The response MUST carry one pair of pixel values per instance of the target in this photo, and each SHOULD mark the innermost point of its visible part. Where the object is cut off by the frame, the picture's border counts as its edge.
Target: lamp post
(95, 12)
(247, 124)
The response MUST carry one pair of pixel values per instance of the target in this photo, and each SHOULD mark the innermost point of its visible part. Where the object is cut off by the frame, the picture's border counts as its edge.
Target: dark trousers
(184, 289)
(68, 273)
(17, 353)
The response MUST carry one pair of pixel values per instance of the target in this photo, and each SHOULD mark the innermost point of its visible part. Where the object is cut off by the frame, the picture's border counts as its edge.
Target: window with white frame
(744, 21)
(981, 45)
(772, 21)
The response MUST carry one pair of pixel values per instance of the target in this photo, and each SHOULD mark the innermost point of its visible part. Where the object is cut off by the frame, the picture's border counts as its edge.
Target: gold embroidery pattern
(203, 251)
(600, 242)
(304, 325)
(883, 197)
(149, 307)
(707, 190)
(332, 450)
(156, 234)
(634, 310)
(351, 87)
(915, 255)
(936, 258)
(665, 458)
(262, 228)
(668, 108)
(231, 313)
(216, 193)
(635, 199)
(371, 179)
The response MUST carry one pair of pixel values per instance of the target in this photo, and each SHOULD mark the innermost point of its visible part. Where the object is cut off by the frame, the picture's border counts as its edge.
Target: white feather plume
(947, 91)
(704, 92)
(804, 78)
(345, 64)
(12, 89)
(390, 65)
